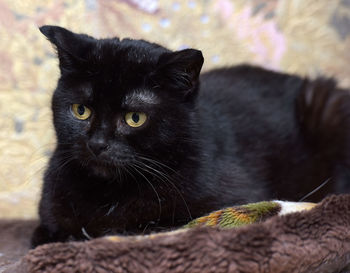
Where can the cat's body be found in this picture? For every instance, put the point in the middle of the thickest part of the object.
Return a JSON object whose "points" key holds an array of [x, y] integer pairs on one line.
{"points": [[248, 135]]}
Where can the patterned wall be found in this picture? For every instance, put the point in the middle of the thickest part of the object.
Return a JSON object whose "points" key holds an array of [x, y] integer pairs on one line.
{"points": [[307, 37]]}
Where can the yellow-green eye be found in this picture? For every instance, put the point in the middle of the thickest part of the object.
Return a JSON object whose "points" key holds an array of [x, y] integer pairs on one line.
{"points": [[135, 119], [80, 111]]}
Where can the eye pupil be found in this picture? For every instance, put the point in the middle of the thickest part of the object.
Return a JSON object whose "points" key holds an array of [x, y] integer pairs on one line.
{"points": [[81, 109], [135, 117]]}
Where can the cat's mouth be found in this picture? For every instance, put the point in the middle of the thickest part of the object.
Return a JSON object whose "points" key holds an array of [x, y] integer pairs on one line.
{"points": [[108, 168], [110, 163]]}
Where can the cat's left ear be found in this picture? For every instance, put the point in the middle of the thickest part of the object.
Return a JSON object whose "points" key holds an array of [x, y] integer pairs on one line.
{"points": [[180, 70], [72, 49]]}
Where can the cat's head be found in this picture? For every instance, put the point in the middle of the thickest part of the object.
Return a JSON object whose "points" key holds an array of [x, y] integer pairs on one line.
{"points": [[119, 101]]}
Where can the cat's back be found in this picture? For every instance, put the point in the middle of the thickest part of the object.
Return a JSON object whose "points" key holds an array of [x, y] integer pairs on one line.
{"points": [[278, 128], [242, 87], [249, 104], [246, 117]]}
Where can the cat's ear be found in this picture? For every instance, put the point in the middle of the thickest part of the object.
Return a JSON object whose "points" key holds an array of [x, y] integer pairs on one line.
{"points": [[72, 49], [180, 70]]}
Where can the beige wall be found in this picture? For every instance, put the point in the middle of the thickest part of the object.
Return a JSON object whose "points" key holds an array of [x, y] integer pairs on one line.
{"points": [[308, 37]]}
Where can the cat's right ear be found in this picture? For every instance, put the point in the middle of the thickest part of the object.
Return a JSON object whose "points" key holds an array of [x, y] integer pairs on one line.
{"points": [[180, 70], [72, 49]]}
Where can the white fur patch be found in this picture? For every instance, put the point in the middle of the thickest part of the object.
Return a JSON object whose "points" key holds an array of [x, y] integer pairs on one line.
{"points": [[141, 97], [290, 207]]}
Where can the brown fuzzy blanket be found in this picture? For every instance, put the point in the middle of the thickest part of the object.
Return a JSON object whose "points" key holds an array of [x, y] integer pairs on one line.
{"points": [[317, 240]]}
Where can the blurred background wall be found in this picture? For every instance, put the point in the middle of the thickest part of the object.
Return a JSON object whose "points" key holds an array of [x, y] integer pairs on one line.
{"points": [[308, 37]]}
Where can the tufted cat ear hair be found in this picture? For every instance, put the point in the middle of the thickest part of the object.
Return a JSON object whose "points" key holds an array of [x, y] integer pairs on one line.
{"points": [[180, 69], [72, 49]]}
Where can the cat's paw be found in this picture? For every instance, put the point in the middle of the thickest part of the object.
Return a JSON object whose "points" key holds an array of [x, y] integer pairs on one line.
{"points": [[42, 235]]}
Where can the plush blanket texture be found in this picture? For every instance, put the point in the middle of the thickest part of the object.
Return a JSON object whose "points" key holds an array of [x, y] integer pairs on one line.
{"points": [[315, 239]]}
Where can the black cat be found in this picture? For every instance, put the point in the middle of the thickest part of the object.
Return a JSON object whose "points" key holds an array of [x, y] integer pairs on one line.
{"points": [[144, 143]]}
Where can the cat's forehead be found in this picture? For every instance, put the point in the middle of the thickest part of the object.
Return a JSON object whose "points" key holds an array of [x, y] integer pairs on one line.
{"points": [[117, 72], [137, 97], [125, 63]]}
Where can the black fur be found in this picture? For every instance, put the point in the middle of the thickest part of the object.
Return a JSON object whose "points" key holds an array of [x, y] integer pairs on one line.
{"points": [[245, 134]]}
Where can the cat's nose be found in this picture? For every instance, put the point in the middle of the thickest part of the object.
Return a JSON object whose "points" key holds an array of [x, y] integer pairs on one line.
{"points": [[97, 147]]}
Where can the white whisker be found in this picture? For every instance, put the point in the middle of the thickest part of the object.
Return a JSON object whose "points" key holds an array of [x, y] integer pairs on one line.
{"points": [[315, 190]]}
